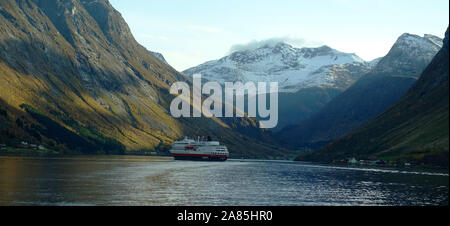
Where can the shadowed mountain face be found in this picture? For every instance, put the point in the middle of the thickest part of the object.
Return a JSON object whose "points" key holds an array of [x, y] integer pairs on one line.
{"points": [[375, 92], [308, 78], [414, 129], [75, 64]]}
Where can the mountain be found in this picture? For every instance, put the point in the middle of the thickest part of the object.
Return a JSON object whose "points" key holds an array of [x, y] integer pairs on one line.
{"points": [[374, 62], [409, 55], [308, 78], [416, 129], [75, 79], [292, 68], [294, 108], [375, 92], [159, 56]]}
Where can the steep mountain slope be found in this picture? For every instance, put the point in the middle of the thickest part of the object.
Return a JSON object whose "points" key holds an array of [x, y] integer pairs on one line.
{"points": [[308, 78], [415, 129], [372, 94], [72, 71], [296, 107]]}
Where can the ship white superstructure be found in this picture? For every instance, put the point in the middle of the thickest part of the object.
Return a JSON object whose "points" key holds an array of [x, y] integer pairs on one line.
{"points": [[200, 149]]}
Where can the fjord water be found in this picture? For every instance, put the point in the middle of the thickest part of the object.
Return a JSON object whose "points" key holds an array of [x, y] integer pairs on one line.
{"points": [[130, 180]]}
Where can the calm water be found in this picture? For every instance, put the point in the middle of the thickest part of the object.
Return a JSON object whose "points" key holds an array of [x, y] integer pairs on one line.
{"points": [[125, 180]]}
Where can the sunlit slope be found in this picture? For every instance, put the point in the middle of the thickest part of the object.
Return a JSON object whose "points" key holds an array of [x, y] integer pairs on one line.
{"points": [[75, 63]]}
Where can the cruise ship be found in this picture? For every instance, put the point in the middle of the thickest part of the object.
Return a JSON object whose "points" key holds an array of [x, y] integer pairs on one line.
{"points": [[200, 150]]}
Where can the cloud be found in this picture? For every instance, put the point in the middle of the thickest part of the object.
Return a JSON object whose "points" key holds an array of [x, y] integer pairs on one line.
{"points": [[255, 44], [206, 29]]}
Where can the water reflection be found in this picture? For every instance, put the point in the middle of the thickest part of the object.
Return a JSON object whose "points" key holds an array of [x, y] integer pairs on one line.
{"points": [[125, 180]]}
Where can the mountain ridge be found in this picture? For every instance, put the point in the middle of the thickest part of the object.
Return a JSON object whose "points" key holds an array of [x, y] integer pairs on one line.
{"points": [[73, 65], [294, 68], [373, 93], [313, 76], [415, 129]]}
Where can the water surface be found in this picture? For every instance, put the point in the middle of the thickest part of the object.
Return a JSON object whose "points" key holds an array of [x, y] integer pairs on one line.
{"points": [[130, 180]]}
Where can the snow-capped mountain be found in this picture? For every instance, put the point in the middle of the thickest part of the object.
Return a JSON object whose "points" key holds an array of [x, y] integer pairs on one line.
{"points": [[410, 54], [371, 95], [293, 68]]}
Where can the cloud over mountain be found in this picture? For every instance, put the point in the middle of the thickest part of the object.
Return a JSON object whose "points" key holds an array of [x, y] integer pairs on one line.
{"points": [[272, 42]]}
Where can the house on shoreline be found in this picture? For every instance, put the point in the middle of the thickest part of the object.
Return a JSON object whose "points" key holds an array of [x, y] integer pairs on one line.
{"points": [[26, 145]]}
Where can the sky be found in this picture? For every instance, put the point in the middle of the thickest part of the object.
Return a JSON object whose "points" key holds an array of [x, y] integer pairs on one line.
{"points": [[191, 32]]}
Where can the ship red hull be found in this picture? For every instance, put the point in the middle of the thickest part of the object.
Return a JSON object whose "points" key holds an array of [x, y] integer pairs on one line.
{"points": [[200, 157]]}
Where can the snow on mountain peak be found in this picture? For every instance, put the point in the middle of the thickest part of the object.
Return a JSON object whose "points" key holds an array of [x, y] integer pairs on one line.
{"points": [[409, 53], [426, 43], [293, 68]]}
